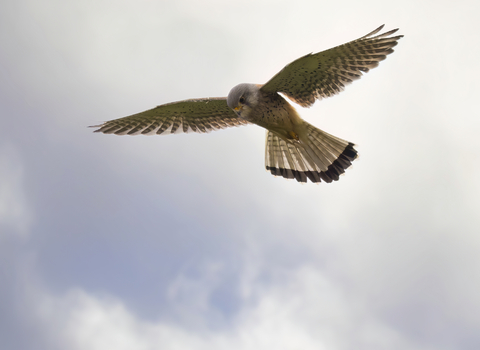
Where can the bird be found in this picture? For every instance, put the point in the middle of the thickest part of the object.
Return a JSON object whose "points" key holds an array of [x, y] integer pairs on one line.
{"points": [[294, 149]]}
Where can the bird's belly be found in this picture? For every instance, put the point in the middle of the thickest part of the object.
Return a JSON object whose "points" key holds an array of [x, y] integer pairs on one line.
{"points": [[281, 120]]}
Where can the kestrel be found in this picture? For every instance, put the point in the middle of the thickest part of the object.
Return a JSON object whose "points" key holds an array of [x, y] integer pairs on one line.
{"points": [[294, 149]]}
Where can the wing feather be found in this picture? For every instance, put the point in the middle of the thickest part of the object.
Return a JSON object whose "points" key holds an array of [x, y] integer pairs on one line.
{"points": [[197, 115], [324, 74]]}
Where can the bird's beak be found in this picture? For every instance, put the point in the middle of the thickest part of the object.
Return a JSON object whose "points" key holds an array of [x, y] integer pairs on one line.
{"points": [[238, 108]]}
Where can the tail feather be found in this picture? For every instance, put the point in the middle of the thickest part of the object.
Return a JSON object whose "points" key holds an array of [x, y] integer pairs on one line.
{"points": [[316, 156]]}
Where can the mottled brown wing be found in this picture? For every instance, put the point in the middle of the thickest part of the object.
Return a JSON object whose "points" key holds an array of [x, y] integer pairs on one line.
{"points": [[320, 75], [197, 115]]}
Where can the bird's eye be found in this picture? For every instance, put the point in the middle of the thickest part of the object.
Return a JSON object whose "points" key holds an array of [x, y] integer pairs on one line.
{"points": [[242, 99]]}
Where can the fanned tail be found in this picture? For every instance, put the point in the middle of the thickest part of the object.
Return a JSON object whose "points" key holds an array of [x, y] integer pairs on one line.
{"points": [[316, 156]]}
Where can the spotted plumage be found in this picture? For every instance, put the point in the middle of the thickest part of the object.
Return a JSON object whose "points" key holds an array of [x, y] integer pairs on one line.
{"points": [[295, 149]]}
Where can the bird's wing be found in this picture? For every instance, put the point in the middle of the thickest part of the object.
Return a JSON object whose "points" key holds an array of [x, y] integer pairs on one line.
{"points": [[320, 75], [197, 115]]}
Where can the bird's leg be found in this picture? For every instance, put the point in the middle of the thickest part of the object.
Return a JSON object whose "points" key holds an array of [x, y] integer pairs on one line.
{"points": [[293, 135]]}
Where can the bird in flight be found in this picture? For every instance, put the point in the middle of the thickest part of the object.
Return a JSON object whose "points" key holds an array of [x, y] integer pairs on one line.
{"points": [[294, 148]]}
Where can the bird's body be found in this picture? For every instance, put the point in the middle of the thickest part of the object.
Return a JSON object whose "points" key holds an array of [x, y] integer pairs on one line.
{"points": [[294, 148], [268, 110]]}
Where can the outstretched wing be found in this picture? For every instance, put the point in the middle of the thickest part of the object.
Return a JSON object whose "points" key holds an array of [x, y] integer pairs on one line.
{"points": [[197, 115], [326, 73]]}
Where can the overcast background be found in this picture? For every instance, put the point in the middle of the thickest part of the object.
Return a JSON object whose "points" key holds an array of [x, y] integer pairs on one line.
{"points": [[186, 242]]}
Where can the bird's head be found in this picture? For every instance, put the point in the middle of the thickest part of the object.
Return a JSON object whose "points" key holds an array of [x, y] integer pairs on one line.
{"points": [[243, 98]]}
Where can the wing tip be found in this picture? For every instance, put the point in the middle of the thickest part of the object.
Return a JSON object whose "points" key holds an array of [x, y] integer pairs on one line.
{"points": [[382, 35], [99, 126]]}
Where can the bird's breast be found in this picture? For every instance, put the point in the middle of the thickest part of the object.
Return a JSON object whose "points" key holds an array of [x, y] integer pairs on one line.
{"points": [[274, 113]]}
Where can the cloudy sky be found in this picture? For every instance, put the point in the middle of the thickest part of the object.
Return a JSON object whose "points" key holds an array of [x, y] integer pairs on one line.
{"points": [[186, 242]]}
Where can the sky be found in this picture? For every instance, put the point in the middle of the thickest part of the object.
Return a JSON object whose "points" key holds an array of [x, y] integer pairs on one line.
{"points": [[186, 241]]}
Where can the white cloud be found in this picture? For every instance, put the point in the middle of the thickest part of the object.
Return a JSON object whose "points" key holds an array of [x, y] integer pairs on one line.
{"points": [[300, 309]]}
